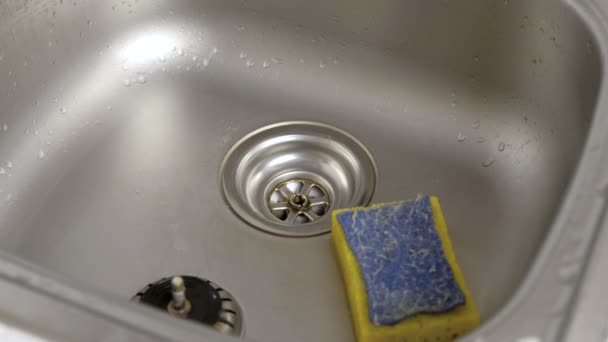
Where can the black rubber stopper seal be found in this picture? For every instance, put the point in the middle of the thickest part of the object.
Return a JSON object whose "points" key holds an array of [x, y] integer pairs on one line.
{"points": [[205, 300]]}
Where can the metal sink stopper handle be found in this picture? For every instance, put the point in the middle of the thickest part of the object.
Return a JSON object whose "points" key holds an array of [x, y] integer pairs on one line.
{"points": [[179, 306]]}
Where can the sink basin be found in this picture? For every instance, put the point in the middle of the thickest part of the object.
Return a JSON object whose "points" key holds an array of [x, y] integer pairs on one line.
{"points": [[116, 118]]}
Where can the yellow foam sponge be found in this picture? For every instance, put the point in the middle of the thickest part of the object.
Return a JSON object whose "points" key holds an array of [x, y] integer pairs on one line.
{"points": [[423, 327]]}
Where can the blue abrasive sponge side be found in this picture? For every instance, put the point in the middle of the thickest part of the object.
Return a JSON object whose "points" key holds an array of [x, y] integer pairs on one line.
{"points": [[402, 261]]}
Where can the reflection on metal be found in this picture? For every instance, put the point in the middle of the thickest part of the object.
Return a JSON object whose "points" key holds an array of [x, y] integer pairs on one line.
{"points": [[149, 46]]}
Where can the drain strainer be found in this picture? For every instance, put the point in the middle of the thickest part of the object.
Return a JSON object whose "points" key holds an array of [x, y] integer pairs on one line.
{"points": [[298, 201], [286, 178], [195, 299]]}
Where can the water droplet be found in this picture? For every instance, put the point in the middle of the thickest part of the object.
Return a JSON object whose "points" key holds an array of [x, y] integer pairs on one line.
{"points": [[276, 60], [63, 110], [2, 171], [453, 104], [180, 52], [489, 161], [141, 79], [109, 108], [461, 137], [5, 127], [476, 124], [125, 67], [9, 165], [8, 197], [194, 58], [205, 62], [162, 59], [501, 146], [127, 83], [481, 139], [265, 65], [215, 51], [243, 55], [241, 28], [249, 63], [41, 154], [476, 59], [322, 65]]}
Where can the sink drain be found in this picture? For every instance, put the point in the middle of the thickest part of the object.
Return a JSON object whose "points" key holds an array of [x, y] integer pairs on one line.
{"points": [[298, 201], [195, 299], [287, 177]]}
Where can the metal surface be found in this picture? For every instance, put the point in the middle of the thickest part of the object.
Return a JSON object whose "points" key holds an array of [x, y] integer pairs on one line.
{"points": [[264, 171], [116, 117]]}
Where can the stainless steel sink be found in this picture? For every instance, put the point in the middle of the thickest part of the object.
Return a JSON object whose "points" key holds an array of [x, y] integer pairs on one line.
{"points": [[116, 117]]}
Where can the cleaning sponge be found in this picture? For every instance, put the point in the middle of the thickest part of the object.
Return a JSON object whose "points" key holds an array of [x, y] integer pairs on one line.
{"points": [[400, 272]]}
